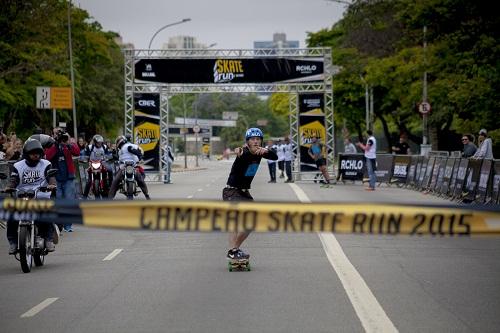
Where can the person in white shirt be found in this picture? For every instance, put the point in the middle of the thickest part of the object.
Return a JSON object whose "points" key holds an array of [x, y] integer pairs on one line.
{"points": [[371, 159], [288, 157], [128, 152], [485, 149], [281, 158]]}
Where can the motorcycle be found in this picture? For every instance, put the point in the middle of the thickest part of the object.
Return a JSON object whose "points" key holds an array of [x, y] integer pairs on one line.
{"points": [[30, 245], [98, 179], [128, 185]]}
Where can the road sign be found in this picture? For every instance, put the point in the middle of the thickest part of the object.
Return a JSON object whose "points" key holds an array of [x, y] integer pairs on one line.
{"points": [[60, 98], [424, 108], [43, 97], [196, 129], [205, 122], [229, 115], [53, 98]]}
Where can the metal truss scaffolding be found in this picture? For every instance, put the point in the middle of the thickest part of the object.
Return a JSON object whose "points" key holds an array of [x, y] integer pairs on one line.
{"points": [[293, 88]]}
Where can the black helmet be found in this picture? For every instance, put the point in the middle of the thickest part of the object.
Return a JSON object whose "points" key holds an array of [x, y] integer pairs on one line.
{"points": [[46, 140], [98, 139], [120, 141], [32, 146]]}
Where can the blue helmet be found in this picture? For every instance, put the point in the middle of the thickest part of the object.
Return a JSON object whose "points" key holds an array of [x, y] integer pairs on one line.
{"points": [[254, 131]]}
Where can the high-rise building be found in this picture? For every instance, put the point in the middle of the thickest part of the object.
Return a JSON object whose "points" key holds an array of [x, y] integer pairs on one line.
{"points": [[279, 42], [123, 45], [183, 42]]}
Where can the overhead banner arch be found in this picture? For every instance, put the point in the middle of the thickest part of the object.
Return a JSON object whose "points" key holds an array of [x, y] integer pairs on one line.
{"points": [[170, 72]]}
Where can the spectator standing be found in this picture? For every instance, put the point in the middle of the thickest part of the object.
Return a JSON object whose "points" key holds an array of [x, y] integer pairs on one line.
{"points": [[485, 147], [272, 163], [288, 158], [14, 151], [402, 147], [349, 147], [169, 160], [281, 158], [61, 156], [469, 147], [370, 158]]}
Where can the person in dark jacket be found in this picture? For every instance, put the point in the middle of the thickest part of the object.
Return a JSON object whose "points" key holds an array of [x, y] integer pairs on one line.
{"points": [[60, 154]]}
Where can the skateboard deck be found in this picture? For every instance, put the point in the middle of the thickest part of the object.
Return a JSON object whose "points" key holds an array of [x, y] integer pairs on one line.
{"points": [[238, 264]]}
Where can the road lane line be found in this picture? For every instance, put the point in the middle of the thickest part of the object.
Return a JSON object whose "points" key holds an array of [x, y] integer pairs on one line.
{"points": [[37, 308], [368, 309], [300, 193], [200, 190], [189, 196], [112, 254]]}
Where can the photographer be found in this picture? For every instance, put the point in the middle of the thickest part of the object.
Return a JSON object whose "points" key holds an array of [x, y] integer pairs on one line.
{"points": [[61, 156]]}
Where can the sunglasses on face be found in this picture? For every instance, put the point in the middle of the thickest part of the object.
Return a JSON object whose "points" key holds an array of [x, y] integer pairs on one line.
{"points": [[465, 139]]}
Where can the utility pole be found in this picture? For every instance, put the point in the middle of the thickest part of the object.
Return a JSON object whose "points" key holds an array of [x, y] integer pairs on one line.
{"points": [[425, 147], [185, 130], [72, 74]]}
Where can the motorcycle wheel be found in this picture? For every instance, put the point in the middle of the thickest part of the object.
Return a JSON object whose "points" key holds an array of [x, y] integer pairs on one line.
{"points": [[25, 247], [130, 191], [39, 259], [97, 192]]}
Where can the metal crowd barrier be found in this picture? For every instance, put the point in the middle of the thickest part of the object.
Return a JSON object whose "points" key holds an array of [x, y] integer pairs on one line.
{"points": [[461, 179]]}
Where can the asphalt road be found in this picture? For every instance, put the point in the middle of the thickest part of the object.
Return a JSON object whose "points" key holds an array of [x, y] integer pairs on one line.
{"points": [[178, 282]]}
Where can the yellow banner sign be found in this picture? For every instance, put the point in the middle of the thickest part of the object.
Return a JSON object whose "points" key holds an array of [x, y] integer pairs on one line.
{"points": [[60, 98]]}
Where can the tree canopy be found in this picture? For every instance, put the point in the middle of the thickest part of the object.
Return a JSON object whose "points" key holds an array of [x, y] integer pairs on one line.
{"points": [[380, 43], [34, 48]]}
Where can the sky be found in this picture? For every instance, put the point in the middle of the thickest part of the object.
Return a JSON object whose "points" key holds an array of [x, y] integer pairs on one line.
{"points": [[231, 24]]}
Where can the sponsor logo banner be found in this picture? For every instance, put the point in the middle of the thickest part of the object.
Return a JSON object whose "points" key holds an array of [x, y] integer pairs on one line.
{"points": [[351, 166], [218, 71], [311, 124], [147, 128]]}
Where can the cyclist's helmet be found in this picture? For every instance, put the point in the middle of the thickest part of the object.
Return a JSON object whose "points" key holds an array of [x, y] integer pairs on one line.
{"points": [[32, 146], [120, 141], [98, 139], [254, 131]]}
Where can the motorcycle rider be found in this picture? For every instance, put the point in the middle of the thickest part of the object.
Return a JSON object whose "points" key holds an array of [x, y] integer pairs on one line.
{"points": [[29, 174], [128, 151], [97, 151]]}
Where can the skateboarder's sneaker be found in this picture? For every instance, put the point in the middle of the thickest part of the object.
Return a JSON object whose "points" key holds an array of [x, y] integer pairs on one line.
{"points": [[237, 254]]}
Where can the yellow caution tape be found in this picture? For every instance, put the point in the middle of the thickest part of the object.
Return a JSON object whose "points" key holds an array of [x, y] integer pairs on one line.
{"points": [[221, 216]]}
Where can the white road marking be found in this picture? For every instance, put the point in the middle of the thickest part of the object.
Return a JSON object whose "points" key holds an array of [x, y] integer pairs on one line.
{"points": [[368, 309], [34, 310], [300, 193], [112, 254], [207, 185], [189, 196], [200, 190]]}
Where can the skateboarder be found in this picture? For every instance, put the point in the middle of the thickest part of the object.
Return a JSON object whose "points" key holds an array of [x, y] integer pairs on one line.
{"points": [[240, 178], [316, 153]]}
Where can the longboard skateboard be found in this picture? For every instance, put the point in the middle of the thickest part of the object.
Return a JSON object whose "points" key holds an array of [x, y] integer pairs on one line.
{"points": [[238, 264]]}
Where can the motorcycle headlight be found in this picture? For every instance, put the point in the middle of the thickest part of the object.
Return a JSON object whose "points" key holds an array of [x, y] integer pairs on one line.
{"points": [[129, 169], [96, 165]]}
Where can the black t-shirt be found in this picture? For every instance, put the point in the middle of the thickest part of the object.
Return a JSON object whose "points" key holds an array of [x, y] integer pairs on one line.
{"points": [[245, 167], [403, 148]]}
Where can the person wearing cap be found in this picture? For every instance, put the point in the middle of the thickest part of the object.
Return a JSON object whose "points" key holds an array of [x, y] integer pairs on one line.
{"points": [[469, 146], [486, 147]]}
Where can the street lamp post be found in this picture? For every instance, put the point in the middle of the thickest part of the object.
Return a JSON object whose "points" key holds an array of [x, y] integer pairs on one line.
{"points": [[75, 131], [166, 26]]}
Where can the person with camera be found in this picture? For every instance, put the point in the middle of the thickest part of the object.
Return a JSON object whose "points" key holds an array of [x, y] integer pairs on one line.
{"points": [[61, 155]]}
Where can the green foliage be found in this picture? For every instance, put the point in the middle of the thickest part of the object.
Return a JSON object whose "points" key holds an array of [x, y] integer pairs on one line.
{"points": [[380, 42], [34, 48]]}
